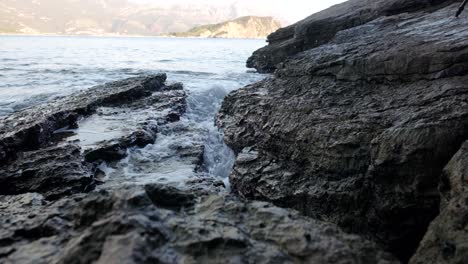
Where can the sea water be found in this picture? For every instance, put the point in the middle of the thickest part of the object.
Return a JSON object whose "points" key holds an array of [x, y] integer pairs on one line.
{"points": [[35, 69]]}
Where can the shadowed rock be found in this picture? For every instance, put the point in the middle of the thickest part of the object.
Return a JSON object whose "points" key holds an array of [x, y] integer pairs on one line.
{"points": [[59, 167], [357, 130], [53, 172], [447, 236], [33, 128], [53, 212], [127, 225]]}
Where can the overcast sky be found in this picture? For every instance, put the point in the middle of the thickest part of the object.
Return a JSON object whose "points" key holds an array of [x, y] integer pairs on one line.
{"points": [[292, 10]]}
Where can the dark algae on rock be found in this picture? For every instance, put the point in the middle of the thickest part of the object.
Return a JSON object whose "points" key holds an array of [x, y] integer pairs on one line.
{"points": [[57, 207], [362, 124]]}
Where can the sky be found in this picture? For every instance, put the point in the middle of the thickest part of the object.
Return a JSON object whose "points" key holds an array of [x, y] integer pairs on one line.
{"points": [[291, 10]]}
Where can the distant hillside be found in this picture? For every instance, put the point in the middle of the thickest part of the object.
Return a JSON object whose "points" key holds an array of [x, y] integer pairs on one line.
{"points": [[106, 17], [243, 27]]}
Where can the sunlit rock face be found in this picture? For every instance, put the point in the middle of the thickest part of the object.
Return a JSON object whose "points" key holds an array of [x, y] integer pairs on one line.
{"points": [[357, 126], [251, 27]]}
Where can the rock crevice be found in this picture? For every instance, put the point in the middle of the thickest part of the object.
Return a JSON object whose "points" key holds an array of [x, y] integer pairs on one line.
{"points": [[56, 206]]}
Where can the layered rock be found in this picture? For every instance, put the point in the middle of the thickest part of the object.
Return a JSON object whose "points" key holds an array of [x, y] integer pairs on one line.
{"points": [[53, 172], [357, 129], [321, 28], [447, 236], [55, 206], [165, 225], [45, 151], [34, 127]]}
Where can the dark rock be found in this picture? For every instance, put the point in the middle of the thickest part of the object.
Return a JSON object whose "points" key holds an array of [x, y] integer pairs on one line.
{"points": [[175, 86], [33, 128], [32, 228], [51, 210], [53, 172], [116, 149], [320, 28], [169, 197], [158, 109], [447, 236], [357, 130], [216, 229], [128, 226], [124, 237]]}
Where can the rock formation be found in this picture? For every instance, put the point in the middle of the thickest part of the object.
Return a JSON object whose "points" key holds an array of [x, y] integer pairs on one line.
{"points": [[244, 27], [367, 106], [445, 241], [320, 28], [56, 206]]}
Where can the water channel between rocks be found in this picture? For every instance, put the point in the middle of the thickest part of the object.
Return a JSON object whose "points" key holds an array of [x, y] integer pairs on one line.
{"points": [[209, 70]]}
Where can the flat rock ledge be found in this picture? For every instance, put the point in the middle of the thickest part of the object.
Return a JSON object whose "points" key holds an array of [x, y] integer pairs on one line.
{"points": [[357, 129], [53, 208]]}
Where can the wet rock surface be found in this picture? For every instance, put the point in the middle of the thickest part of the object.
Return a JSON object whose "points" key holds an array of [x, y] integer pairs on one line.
{"points": [[59, 203], [33, 128], [357, 129], [320, 28]]}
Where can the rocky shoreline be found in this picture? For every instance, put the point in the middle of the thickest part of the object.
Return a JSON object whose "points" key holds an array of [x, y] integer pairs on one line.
{"points": [[58, 206], [354, 151], [364, 124]]}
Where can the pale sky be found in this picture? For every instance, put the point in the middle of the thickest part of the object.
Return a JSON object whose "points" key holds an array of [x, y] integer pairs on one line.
{"points": [[292, 10]]}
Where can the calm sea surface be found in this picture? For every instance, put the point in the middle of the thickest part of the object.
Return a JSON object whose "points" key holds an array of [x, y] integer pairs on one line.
{"points": [[34, 70]]}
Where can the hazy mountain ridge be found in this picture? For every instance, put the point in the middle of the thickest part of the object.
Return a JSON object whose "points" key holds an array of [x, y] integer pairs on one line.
{"points": [[243, 27], [109, 17]]}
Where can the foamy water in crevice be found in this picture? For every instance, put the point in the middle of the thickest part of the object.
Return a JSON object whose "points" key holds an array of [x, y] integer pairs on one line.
{"points": [[34, 70]]}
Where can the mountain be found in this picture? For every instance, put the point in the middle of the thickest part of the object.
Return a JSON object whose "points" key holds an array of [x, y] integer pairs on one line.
{"points": [[112, 17], [243, 27]]}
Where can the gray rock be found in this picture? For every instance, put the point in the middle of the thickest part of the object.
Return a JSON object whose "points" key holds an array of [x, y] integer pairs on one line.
{"points": [[58, 169], [34, 127], [447, 238], [148, 114], [127, 227], [357, 131], [320, 28], [51, 210], [53, 172], [32, 228]]}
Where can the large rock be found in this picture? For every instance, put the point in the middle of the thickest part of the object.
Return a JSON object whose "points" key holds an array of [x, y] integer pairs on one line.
{"points": [[321, 28], [167, 225], [134, 125], [36, 157], [357, 131], [53, 172], [34, 127], [447, 238], [52, 209]]}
